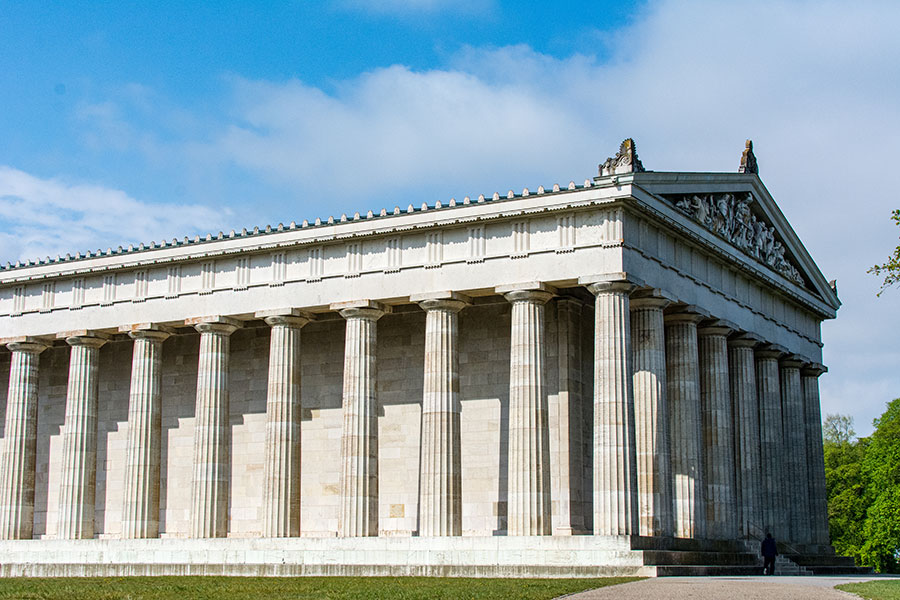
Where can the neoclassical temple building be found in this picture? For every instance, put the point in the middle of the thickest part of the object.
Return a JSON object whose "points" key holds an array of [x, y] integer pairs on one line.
{"points": [[614, 376]]}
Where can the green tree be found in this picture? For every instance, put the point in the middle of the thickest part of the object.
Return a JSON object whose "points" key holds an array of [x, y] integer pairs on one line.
{"points": [[881, 469], [838, 429], [846, 485], [891, 268]]}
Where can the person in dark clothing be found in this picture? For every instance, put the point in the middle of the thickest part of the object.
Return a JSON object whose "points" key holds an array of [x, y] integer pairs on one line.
{"points": [[769, 551]]}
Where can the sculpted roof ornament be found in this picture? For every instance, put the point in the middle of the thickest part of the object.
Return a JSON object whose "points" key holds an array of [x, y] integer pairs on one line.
{"points": [[729, 216], [625, 161], [748, 160]]}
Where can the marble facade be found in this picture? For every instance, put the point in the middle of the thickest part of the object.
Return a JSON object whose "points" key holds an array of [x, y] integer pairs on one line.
{"points": [[634, 356]]}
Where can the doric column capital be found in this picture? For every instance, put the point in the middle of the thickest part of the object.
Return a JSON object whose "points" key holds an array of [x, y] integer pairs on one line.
{"points": [[451, 301], [813, 370], [686, 314], [744, 340], [643, 298], [610, 282], [369, 310], [215, 324], [791, 361], [84, 337], [148, 331], [532, 291], [715, 327], [287, 317], [771, 351], [27, 344]]}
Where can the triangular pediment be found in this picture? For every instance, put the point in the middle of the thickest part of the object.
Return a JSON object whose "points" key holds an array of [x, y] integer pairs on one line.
{"points": [[738, 209]]}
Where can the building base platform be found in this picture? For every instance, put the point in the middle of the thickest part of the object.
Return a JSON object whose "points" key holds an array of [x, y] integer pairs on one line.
{"points": [[499, 556]]}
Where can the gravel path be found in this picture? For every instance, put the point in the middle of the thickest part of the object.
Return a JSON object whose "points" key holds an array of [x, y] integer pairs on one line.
{"points": [[719, 588]]}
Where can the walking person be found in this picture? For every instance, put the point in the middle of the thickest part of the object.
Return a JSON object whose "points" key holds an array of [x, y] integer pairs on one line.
{"points": [[769, 551]]}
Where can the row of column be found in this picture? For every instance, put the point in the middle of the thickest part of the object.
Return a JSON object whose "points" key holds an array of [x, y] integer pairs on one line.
{"points": [[665, 459], [728, 430]]}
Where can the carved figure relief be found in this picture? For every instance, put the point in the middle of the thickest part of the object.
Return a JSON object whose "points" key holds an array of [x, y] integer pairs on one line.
{"points": [[730, 217]]}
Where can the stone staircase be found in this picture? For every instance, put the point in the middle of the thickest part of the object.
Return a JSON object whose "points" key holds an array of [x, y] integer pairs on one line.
{"points": [[678, 557]]}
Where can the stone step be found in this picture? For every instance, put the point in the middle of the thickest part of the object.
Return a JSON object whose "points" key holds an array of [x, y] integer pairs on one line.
{"points": [[812, 560], [707, 570], [690, 545], [785, 566], [670, 557]]}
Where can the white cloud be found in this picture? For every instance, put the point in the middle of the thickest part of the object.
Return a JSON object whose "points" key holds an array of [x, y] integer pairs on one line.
{"points": [[48, 216]]}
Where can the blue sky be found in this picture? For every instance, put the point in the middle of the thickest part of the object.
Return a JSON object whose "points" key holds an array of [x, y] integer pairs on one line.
{"points": [[125, 122]]}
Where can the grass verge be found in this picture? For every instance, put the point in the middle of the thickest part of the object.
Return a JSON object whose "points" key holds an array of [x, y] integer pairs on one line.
{"points": [[296, 588], [874, 590]]}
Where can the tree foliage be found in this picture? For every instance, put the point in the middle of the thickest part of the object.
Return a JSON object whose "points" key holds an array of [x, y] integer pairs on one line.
{"points": [[881, 468], [891, 268], [838, 429], [863, 482], [847, 502]]}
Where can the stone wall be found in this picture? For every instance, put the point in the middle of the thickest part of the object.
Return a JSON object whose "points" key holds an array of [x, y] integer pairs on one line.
{"points": [[484, 389]]}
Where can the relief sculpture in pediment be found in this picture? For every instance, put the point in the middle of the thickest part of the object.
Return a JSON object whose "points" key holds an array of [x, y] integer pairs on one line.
{"points": [[730, 216]]}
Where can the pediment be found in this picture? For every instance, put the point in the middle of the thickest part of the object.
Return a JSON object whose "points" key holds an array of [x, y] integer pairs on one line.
{"points": [[738, 209], [733, 217]]}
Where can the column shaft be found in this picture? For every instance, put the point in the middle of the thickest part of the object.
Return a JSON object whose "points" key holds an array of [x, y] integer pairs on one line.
{"points": [[818, 498], [79, 454], [742, 371], [718, 437], [797, 473], [20, 442], [651, 415], [359, 440], [528, 510], [615, 459], [140, 514], [440, 482], [212, 465], [281, 477], [771, 448], [685, 424]]}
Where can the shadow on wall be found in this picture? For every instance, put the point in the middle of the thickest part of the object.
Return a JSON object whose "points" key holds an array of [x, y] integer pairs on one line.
{"points": [[179, 391], [53, 379], [112, 423], [484, 343]]}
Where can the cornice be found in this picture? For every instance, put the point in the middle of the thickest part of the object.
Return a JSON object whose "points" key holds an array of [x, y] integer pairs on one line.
{"points": [[306, 235]]}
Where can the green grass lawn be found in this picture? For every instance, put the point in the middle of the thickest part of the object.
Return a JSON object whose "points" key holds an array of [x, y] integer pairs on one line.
{"points": [[874, 590], [296, 588]]}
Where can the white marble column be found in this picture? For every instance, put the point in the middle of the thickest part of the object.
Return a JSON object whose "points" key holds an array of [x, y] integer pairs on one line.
{"points": [[718, 431], [79, 454], [140, 510], [771, 447], [745, 403], [281, 475], [615, 459], [440, 479], [685, 424], [797, 472], [528, 489], [20, 441], [818, 498], [212, 455], [651, 414], [359, 439]]}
